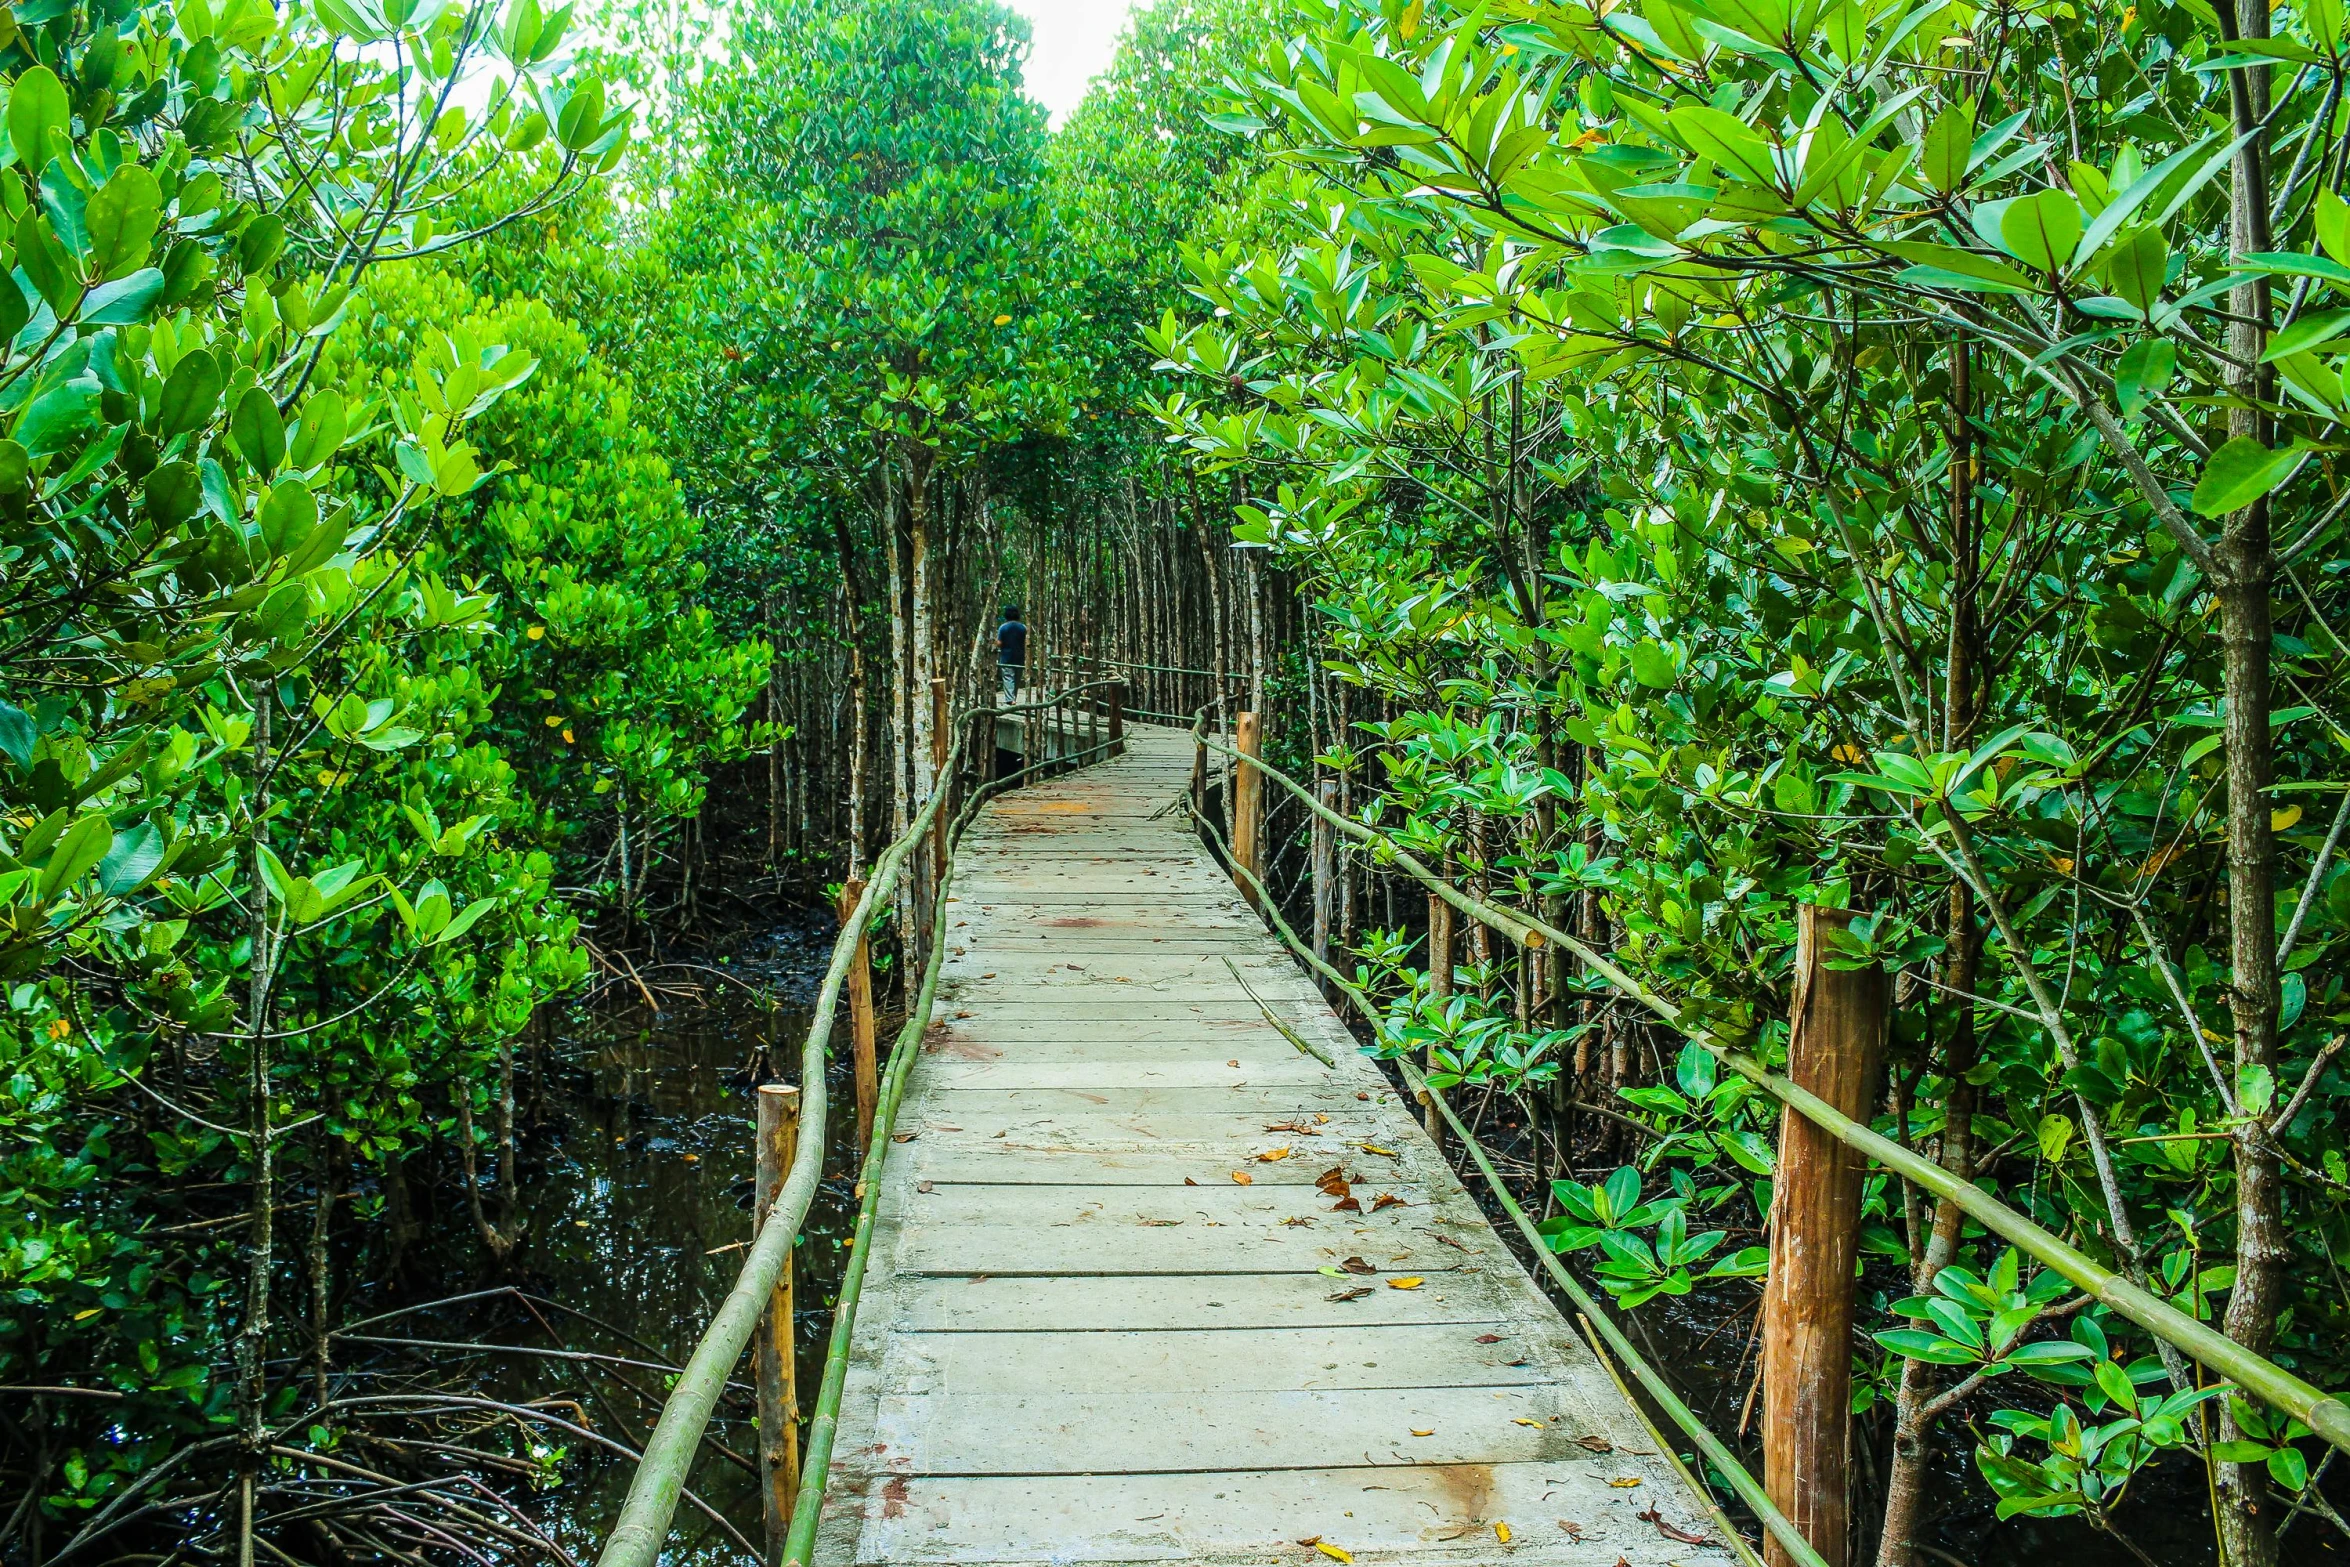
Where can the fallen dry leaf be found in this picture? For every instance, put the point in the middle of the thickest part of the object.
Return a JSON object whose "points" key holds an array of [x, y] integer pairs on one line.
{"points": [[1272, 1154], [1188, 1181], [1232, 1063], [1320, 1119], [1353, 1294], [1670, 1532], [1488, 1338], [1596, 1444], [1405, 1284], [1384, 1153], [1625, 1482], [1358, 1265], [1574, 1530], [925, 1187], [1346, 1205], [1536, 1424], [1243, 1178], [1337, 1553], [1387, 1200], [1160, 1224], [1501, 1531], [987, 976], [1416, 1431], [962, 1014], [1362, 1096]]}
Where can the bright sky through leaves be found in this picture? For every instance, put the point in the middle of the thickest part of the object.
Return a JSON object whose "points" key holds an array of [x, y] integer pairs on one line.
{"points": [[1074, 42]]}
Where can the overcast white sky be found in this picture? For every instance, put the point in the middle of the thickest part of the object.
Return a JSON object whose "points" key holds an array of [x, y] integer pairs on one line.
{"points": [[1074, 40]]}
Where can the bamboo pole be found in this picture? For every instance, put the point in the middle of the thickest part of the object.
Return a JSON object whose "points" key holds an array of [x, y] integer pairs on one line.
{"points": [[1248, 805], [1325, 857], [779, 1401], [861, 1023], [1838, 1029]]}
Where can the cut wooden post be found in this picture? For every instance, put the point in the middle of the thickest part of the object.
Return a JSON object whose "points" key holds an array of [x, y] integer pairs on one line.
{"points": [[1248, 796], [779, 1403], [1440, 960], [1838, 1031], [1199, 775], [861, 1021], [1118, 719], [1325, 868]]}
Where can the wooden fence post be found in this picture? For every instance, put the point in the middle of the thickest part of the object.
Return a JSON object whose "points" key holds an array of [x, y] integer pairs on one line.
{"points": [[1199, 775], [779, 1403], [1838, 1030], [1118, 719], [861, 1022], [1325, 867], [1248, 797], [1440, 961]]}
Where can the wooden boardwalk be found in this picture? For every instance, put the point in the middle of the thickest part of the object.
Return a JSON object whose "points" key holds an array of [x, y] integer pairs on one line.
{"points": [[1113, 1317]]}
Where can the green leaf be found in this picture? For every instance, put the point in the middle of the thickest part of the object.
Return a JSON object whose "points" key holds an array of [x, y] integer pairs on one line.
{"points": [[2333, 225], [83, 845], [2041, 230], [2143, 374], [1947, 266], [1652, 665], [192, 393], [123, 214], [2288, 1468], [1933, 1348], [38, 114], [258, 430], [17, 734], [126, 301], [133, 858], [2138, 265], [2240, 473], [58, 417], [1942, 157], [46, 263], [288, 513], [2310, 332], [1728, 142]]}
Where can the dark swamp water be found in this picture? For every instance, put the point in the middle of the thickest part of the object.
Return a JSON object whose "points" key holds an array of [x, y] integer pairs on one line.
{"points": [[637, 1184]]}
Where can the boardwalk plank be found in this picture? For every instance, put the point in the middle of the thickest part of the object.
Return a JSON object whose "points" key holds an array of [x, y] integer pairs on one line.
{"points": [[1083, 1341]]}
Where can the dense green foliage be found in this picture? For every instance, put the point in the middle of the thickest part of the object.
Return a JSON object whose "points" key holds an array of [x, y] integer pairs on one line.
{"points": [[1825, 454], [1737, 455]]}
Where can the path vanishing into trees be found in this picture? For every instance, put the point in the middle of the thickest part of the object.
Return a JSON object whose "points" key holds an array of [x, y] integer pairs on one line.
{"points": [[1164, 1270]]}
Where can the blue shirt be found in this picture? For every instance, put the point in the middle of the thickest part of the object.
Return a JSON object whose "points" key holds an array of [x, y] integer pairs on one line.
{"points": [[1011, 643]]}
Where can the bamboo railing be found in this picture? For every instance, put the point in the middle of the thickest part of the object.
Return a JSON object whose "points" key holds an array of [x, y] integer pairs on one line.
{"points": [[668, 1455], [2326, 1415]]}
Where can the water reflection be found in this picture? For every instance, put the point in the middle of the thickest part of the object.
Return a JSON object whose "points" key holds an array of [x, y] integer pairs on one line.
{"points": [[637, 1183]]}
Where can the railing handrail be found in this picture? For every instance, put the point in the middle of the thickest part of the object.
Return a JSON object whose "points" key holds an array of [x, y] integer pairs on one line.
{"points": [[1750, 1490], [2326, 1415], [668, 1453]]}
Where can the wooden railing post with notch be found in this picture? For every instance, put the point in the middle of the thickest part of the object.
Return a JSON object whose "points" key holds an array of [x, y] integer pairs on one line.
{"points": [[1118, 719], [863, 1030], [1837, 1032], [779, 1404], [1248, 803], [1199, 775]]}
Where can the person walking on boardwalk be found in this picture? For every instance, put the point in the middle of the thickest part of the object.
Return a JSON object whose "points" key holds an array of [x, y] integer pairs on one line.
{"points": [[1011, 649]]}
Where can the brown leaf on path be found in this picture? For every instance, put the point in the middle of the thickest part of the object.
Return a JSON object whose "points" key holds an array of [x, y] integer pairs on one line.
{"points": [[1160, 1224], [1573, 1529], [1405, 1284], [1416, 1431], [1595, 1444], [1384, 1153], [1488, 1338], [1387, 1200], [1188, 1181], [1243, 1178], [1353, 1294], [1624, 1482], [1232, 1063], [1358, 1265], [1346, 1205], [1670, 1532], [1270, 1155], [925, 1187]]}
